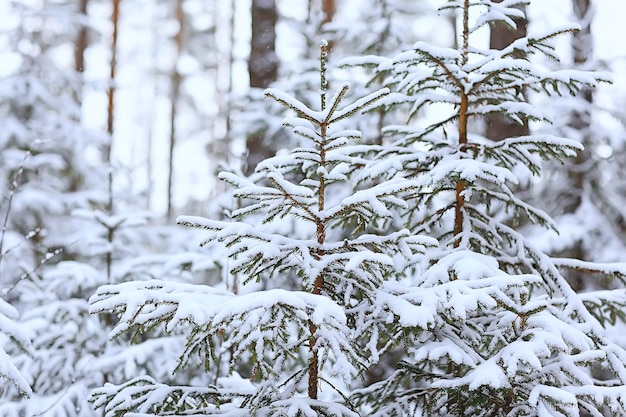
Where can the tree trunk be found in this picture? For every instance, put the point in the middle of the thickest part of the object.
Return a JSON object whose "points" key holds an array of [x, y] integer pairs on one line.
{"points": [[82, 39], [582, 46], [328, 10], [262, 69], [110, 123], [226, 13], [498, 126], [459, 205], [112, 70], [176, 80]]}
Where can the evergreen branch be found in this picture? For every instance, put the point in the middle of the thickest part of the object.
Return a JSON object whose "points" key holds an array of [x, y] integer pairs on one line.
{"points": [[251, 321], [611, 270], [296, 105], [289, 196], [360, 105], [29, 273], [334, 103], [307, 407], [607, 306], [145, 395]]}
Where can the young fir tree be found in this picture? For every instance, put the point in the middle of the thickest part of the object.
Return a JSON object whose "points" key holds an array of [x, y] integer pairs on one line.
{"points": [[303, 347], [491, 327]]}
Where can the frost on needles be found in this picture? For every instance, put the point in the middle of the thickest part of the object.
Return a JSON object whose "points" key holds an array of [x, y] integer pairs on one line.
{"points": [[317, 327], [403, 258], [501, 332]]}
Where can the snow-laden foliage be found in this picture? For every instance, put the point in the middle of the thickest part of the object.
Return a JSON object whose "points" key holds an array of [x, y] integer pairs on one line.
{"points": [[289, 342], [501, 332], [11, 330], [583, 197], [61, 239], [72, 353], [340, 302]]}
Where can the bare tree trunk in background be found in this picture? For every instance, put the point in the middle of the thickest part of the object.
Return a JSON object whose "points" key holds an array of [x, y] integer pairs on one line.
{"points": [[154, 48], [111, 91], [82, 40], [176, 82], [498, 126], [262, 68], [582, 46], [225, 13], [81, 43], [110, 122], [329, 8]]}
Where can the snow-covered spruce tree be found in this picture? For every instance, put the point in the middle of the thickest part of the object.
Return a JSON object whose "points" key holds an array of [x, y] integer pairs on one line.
{"points": [[303, 347], [43, 149], [54, 201], [491, 327], [10, 330], [44, 175]]}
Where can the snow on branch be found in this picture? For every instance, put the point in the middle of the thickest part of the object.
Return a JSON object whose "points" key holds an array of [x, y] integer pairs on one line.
{"points": [[248, 322], [287, 100], [306, 407], [13, 331], [506, 11], [612, 269], [361, 105], [256, 252], [144, 395]]}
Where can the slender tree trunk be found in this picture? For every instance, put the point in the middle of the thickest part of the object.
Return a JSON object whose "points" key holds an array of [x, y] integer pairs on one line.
{"points": [[582, 45], [313, 386], [329, 8], [110, 123], [176, 80], [498, 126], [82, 39], [224, 69], [112, 72], [262, 68], [463, 122], [154, 47]]}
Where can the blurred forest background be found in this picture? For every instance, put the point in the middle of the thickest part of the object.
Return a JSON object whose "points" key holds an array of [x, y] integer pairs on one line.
{"points": [[176, 96], [115, 116]]}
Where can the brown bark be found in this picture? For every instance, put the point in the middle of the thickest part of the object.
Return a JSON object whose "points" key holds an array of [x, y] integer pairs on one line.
{"points": [[82, 39], [313, 386], [580, 120], [262, 69], [498, 126], [463, 121], [112, 71], [329, 9], [263, 63]]}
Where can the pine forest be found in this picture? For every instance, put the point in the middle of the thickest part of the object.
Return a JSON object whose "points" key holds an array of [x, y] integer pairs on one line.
{"points": [[290, 208]]}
